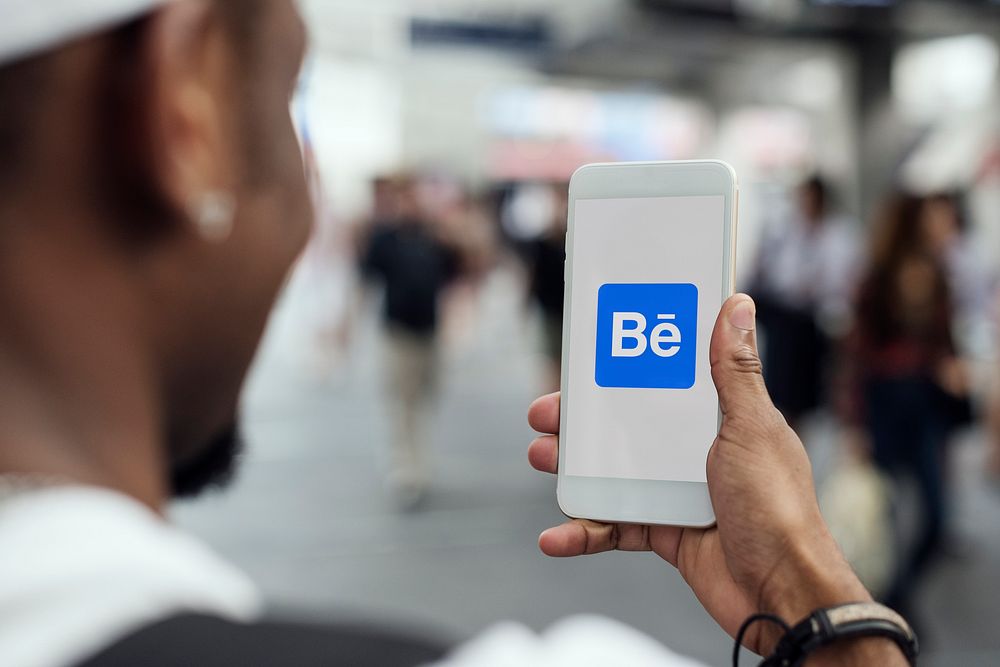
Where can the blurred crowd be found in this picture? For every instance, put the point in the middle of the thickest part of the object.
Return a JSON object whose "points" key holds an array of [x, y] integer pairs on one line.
{"points": [[871, 325], [880, 334], [426, 249]]}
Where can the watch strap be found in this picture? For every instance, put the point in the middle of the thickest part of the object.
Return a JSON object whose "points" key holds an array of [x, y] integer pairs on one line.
{"points": [[850, 621]]}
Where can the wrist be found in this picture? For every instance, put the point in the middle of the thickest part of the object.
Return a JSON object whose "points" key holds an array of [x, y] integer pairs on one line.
{"points": [[856, 633], [813, 575]]}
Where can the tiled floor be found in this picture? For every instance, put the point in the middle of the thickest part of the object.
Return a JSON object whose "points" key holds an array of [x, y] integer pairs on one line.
{"points": [[308, 518]]}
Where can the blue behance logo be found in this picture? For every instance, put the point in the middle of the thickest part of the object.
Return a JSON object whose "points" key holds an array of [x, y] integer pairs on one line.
{"points": [[647, 336]]}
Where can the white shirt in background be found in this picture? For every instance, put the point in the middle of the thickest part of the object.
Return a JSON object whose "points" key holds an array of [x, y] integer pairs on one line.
{"points": [[813, 266]]}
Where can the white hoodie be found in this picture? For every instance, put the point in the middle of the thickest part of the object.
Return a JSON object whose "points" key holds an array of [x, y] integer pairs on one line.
{"points": [[82, 568]]}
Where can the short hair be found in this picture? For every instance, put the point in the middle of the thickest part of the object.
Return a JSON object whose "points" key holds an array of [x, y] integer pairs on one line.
{"points": [[817, 186], [23, 86]]}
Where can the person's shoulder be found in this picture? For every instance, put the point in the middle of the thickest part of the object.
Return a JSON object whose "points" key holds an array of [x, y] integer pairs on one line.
{"points": [[579, 640], [209, 641]]}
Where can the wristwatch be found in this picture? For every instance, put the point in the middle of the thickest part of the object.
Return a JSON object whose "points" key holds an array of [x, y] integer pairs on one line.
{"points": [[849, 621]]}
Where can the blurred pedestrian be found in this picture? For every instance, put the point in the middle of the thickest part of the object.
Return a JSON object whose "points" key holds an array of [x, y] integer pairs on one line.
{"points": [[410, 258], [945, 233], [805, 272], [993, 412], [546, 261], [993, 434], [907, 374], [463, 220]]}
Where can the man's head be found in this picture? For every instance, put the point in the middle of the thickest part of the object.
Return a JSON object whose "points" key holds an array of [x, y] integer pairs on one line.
{"points": [[813, 199], [159, 159], [408, 205]]}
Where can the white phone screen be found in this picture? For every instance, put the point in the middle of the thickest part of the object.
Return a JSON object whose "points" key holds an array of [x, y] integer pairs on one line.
{"points": [[646, 288]]}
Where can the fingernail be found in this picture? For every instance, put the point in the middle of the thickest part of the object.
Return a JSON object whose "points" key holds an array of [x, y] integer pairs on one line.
{"points": [[743, 314]]}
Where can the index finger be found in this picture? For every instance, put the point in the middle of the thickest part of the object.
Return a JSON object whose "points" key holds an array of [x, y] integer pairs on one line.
{"points": [[543, 415]]}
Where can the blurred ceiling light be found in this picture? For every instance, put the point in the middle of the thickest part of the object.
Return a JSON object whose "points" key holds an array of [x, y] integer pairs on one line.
{"points": [[778, 11], [814, 83], [941, 76], [952, 154], [855, 3]]}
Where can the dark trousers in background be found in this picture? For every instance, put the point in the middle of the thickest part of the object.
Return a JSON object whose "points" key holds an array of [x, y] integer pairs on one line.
{"points": [[795, 357], [411, 367], [908, 432]]}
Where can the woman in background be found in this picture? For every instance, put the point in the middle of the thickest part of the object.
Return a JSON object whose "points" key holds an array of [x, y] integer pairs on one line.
{"points": [[993, 416], [907, 373]]}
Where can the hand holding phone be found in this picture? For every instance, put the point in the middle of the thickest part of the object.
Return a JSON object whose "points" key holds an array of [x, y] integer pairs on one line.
{"points": [[770, 550]]}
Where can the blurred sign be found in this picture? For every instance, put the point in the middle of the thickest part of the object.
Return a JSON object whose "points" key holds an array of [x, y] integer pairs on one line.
{"points": [[768, 139], [531, 34], [547, 131]]}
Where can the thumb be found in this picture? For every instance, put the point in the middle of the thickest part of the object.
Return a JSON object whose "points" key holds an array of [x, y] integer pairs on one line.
{"points": [[736, 367]]}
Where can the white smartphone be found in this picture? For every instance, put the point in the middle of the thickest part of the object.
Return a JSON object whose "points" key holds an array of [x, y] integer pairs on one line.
{"points": [[650, 254]]}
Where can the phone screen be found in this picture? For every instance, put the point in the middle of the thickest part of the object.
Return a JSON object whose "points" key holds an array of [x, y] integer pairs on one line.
{"points": [[646, 288]]}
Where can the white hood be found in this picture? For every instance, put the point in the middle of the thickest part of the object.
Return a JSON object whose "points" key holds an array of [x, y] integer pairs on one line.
{"points": [[28, 27]]}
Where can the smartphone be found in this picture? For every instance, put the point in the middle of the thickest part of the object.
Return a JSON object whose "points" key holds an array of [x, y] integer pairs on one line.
{"points": [[650, 254]]}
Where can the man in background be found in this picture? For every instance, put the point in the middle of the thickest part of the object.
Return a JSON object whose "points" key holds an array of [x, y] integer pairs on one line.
{"points": [[408, 255], [806, 270]]}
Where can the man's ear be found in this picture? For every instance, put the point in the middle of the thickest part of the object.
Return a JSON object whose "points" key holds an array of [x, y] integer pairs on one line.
{"points": [[190, 133]]}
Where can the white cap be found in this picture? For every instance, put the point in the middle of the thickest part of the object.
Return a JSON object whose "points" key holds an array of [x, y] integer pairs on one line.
{"points": [[28, 27]]}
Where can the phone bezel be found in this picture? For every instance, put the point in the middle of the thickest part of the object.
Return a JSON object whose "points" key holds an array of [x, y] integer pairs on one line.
{"points": [[639, 500]]}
